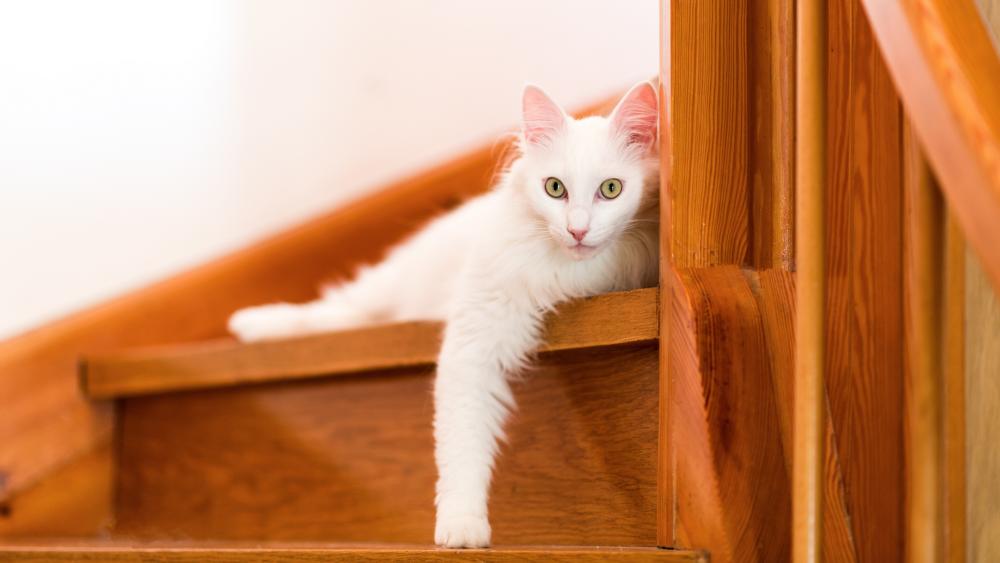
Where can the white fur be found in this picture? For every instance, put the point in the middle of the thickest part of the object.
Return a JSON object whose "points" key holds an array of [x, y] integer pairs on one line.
{"points": [[492, 269]]}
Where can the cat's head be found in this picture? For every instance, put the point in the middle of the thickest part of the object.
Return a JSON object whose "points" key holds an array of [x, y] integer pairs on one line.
{"points": [[586, 179]]}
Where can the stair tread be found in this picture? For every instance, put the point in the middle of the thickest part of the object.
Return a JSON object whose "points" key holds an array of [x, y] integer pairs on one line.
{"points": [[103, 550], [629, 317]]}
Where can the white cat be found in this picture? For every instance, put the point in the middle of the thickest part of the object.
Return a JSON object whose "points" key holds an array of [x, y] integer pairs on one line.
{"points": [[574, 215]]}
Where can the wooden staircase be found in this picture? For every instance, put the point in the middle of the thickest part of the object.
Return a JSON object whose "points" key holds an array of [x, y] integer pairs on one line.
{"points": [[328, 439]]}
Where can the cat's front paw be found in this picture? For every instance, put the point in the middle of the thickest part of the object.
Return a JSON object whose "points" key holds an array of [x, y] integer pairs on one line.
{"points": [[462, 531], [266, 322]]}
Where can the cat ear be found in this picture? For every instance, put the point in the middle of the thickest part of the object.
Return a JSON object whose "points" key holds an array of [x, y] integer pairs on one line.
{"points": [[635, 116], [542, 119]]}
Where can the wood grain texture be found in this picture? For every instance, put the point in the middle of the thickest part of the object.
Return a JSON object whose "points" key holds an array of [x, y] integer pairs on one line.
{"points": [[982, 396], [733, 492], [726, 134], [771, 54], [729, 140], [955, 413], [775, 294], [58, 424], [201, 552], [351, 458], [947, 68], [708, 189], [620, 318], [864, 266], [924, 316]]}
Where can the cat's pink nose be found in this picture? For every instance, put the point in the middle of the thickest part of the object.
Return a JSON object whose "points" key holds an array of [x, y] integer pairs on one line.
{"points": [[578, 234]]}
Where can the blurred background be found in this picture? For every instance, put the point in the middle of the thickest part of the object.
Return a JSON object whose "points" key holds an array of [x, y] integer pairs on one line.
{"points": [[138, 139]]}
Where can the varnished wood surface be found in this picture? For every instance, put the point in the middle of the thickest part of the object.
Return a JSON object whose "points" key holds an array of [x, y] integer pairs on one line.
{"points": [[923, 294], [775, 294], [732, 486], [726, 134], [947, 69], [809, 456], [212, 552], [955, 489], [864, 291], [730, 136], [45, 422], [351, 458], [74, 500], [708, 187], [771, 54], [982, 395], [606, 320]]}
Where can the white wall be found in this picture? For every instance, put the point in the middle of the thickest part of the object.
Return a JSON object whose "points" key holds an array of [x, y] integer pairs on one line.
{"points": [[141, 138]]}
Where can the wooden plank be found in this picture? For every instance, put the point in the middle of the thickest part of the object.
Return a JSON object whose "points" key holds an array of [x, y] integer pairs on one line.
{"points": [[771, 54], [350, 459], [946, 65], [726, 133], [619, 318], [810, 350], [775, 294], [731, 482], [982, 395], [708, 185], [954, 373], [45, 421], [864, 281], [217, 552], [923, 293]]}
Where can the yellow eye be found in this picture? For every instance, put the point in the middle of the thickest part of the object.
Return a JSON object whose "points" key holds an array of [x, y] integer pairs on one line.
{"points": [[611, 188], [555, 188]]}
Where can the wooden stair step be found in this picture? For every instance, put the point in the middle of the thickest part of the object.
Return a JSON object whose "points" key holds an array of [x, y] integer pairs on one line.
{"points": [[607, 320], [333, 441], [279, 553]]}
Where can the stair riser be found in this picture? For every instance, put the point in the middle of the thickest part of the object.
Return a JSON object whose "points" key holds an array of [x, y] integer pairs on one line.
{"points": [[351, 458]]}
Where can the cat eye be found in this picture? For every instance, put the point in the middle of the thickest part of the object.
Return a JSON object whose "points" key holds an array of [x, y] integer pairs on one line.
{"points": [[555, 188], [611, 188]]}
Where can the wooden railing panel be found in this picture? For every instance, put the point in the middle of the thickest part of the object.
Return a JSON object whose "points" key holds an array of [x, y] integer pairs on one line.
{"points": [[732, 486], [864, 268], [982, 363], [947, 68]]}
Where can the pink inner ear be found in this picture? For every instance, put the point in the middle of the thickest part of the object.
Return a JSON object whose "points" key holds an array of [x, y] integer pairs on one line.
{"points": [[542, 117], [636, 115]]}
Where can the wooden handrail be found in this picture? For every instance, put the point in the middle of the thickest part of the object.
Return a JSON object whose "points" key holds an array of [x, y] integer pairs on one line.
{"points": [[947, 71], [810, 356]]}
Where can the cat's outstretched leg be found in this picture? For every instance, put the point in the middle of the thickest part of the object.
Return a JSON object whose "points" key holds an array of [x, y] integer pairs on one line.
{"points": [[285, 320], [485, 341]]}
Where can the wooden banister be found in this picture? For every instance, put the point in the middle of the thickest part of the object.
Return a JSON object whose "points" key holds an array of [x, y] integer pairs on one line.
{"points": [[947, 71]]}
